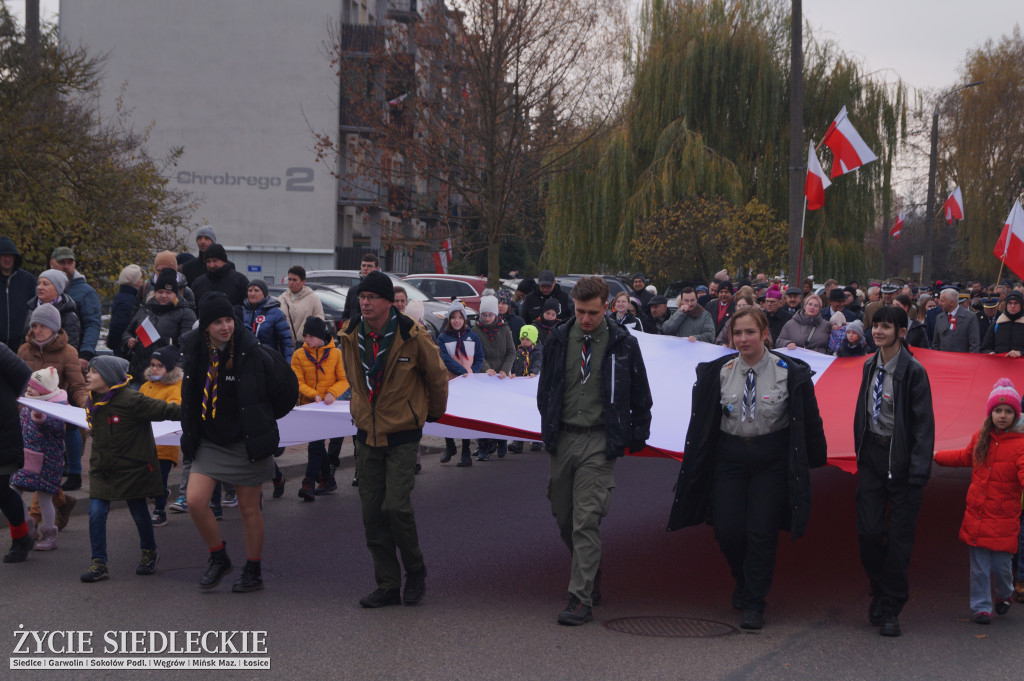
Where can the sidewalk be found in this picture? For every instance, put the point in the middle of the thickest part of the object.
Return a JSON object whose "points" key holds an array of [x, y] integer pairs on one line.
{"points": [[292, 463]]}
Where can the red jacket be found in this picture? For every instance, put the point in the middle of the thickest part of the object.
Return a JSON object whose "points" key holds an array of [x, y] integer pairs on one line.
{"points": [[992, 518]]}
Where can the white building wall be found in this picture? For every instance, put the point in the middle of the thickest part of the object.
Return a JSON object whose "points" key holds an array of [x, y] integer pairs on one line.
{"points": [[238, 84]]}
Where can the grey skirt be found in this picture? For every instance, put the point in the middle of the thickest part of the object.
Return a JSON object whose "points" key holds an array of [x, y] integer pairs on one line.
{"points": [[231, 464]]}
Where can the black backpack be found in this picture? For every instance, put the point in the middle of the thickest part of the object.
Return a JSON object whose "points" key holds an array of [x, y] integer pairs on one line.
{"points": [[282, 384]]}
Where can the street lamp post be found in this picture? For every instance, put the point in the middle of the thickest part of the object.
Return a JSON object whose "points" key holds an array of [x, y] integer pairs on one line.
{"points": [[930, 215]]}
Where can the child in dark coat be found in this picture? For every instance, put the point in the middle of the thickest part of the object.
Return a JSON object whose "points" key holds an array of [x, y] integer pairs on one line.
{"points": [[123, 464], [527, 363]]}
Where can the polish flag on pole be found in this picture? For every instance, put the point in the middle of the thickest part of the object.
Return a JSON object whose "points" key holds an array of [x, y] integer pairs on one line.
{"points": [[443, 257], [898, 227], [816, 182], [1010, 247], [147, 333], [849, 151], [954, 206]]}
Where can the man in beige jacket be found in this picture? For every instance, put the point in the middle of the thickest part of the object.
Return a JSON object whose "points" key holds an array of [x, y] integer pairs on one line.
{"points": [[299, 302]]}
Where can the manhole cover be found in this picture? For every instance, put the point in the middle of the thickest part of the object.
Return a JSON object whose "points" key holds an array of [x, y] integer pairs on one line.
{"points": [[192, 574], [669, 627]]}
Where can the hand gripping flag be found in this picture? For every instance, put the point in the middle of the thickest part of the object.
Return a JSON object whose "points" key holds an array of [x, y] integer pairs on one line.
{"points": [[1010, 247], [849, 151], [898, 227], [954, 206], [147, 332], [816, 182]]}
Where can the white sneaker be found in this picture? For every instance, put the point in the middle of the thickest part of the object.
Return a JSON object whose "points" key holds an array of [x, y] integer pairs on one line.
{"points": [[230, 500], [49, 540], [179, 505]]}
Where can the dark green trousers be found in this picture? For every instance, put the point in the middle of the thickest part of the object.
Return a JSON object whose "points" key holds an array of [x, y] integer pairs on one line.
{"points": [[386, 477]]}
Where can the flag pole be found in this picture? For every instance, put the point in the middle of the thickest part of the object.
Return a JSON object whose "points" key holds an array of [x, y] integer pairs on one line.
{"points": [[1002, 261], [800, 256]]}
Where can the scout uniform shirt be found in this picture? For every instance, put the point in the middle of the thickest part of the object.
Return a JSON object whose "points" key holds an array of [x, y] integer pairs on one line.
{"points": [[886, 415], [581, 402], [766, 409]]}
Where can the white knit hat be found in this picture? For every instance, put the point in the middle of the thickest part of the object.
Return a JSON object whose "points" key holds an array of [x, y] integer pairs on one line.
{"points": [[46, 382], [489, 304]]}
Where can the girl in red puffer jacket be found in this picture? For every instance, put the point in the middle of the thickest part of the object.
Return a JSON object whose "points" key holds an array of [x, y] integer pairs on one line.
{"points": [[992, 520]]}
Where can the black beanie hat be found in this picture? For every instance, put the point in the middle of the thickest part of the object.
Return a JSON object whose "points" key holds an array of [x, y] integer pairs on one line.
{"points": [[551, 304], [215, 251], [212, 306], [260, 284], [315, 326], [379, 283], [168, 355], [167, 280]]}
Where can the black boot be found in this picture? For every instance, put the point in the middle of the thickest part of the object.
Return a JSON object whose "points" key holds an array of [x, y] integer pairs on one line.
{"points": [[251, 579], [73, 482], [218, 566], [19, 550], [449, 450], [466, 459]]}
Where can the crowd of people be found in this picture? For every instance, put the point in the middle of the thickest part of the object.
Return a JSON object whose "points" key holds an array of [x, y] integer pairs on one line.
{"points": [[196, 341]]}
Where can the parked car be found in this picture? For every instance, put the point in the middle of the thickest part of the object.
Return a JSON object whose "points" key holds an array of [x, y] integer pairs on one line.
{"points": [[615, 285], [434, 311], [450, 286]]}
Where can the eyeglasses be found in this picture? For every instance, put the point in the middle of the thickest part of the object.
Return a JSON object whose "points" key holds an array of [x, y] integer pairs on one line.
{"points": [[363, 298]]}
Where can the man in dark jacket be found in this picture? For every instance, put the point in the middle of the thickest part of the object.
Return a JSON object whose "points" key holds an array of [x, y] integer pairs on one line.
{"points": [[221, 276], [640, 291], [721, 309], [194, 268], [88, 301], [774, 310], [18, 286], [533, 305], [591, 411], [894, 437]]}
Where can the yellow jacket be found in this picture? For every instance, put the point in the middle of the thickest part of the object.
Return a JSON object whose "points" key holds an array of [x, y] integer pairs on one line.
{"points": [[313, 382], [167, 389]]}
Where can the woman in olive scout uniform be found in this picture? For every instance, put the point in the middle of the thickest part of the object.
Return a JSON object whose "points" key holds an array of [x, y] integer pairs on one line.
{"points": [[754, 434]]}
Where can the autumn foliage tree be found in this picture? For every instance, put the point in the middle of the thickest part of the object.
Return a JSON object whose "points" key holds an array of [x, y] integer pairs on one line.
{"points": [[67, 177], [692, 238], [982, 150]]}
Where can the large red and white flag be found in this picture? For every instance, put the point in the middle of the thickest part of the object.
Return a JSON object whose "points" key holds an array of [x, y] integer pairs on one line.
{"points": [[816, 182], [898, 227], [1010, 247], [954, 206], [849, 151], [147, 332]]}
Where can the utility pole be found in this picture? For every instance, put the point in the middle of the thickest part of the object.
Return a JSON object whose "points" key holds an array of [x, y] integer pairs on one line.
{"points": [[931, 214], [797, 171]]}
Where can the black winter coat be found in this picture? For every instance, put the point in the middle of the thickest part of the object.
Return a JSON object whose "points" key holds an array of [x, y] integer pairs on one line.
{"points": [[625, 391], [533, 304], [69, 320], [913, 438], [234, 285], [807, 447], [1004, 335], [194, 268], [257, 416], [14, 375], [120, 316], [171, 322], [15, 291]]}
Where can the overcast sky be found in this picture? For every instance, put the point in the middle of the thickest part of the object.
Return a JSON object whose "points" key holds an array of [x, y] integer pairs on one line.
{"points": [[924, 42]]}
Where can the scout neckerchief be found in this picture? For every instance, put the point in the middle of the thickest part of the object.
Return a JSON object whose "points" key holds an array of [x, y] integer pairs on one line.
{"points": [[91, 407], [374, 351], [318, 364]]}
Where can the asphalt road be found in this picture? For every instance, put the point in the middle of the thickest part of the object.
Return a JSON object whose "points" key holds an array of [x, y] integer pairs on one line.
{"points": [[497, 579]]}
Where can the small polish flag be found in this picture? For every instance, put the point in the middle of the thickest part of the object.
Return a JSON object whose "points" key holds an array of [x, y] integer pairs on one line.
{"points": [[898, 227], [954, 206], [398, 100], [147, 332], [816, 183], [1010, 247], [849, 151]]}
